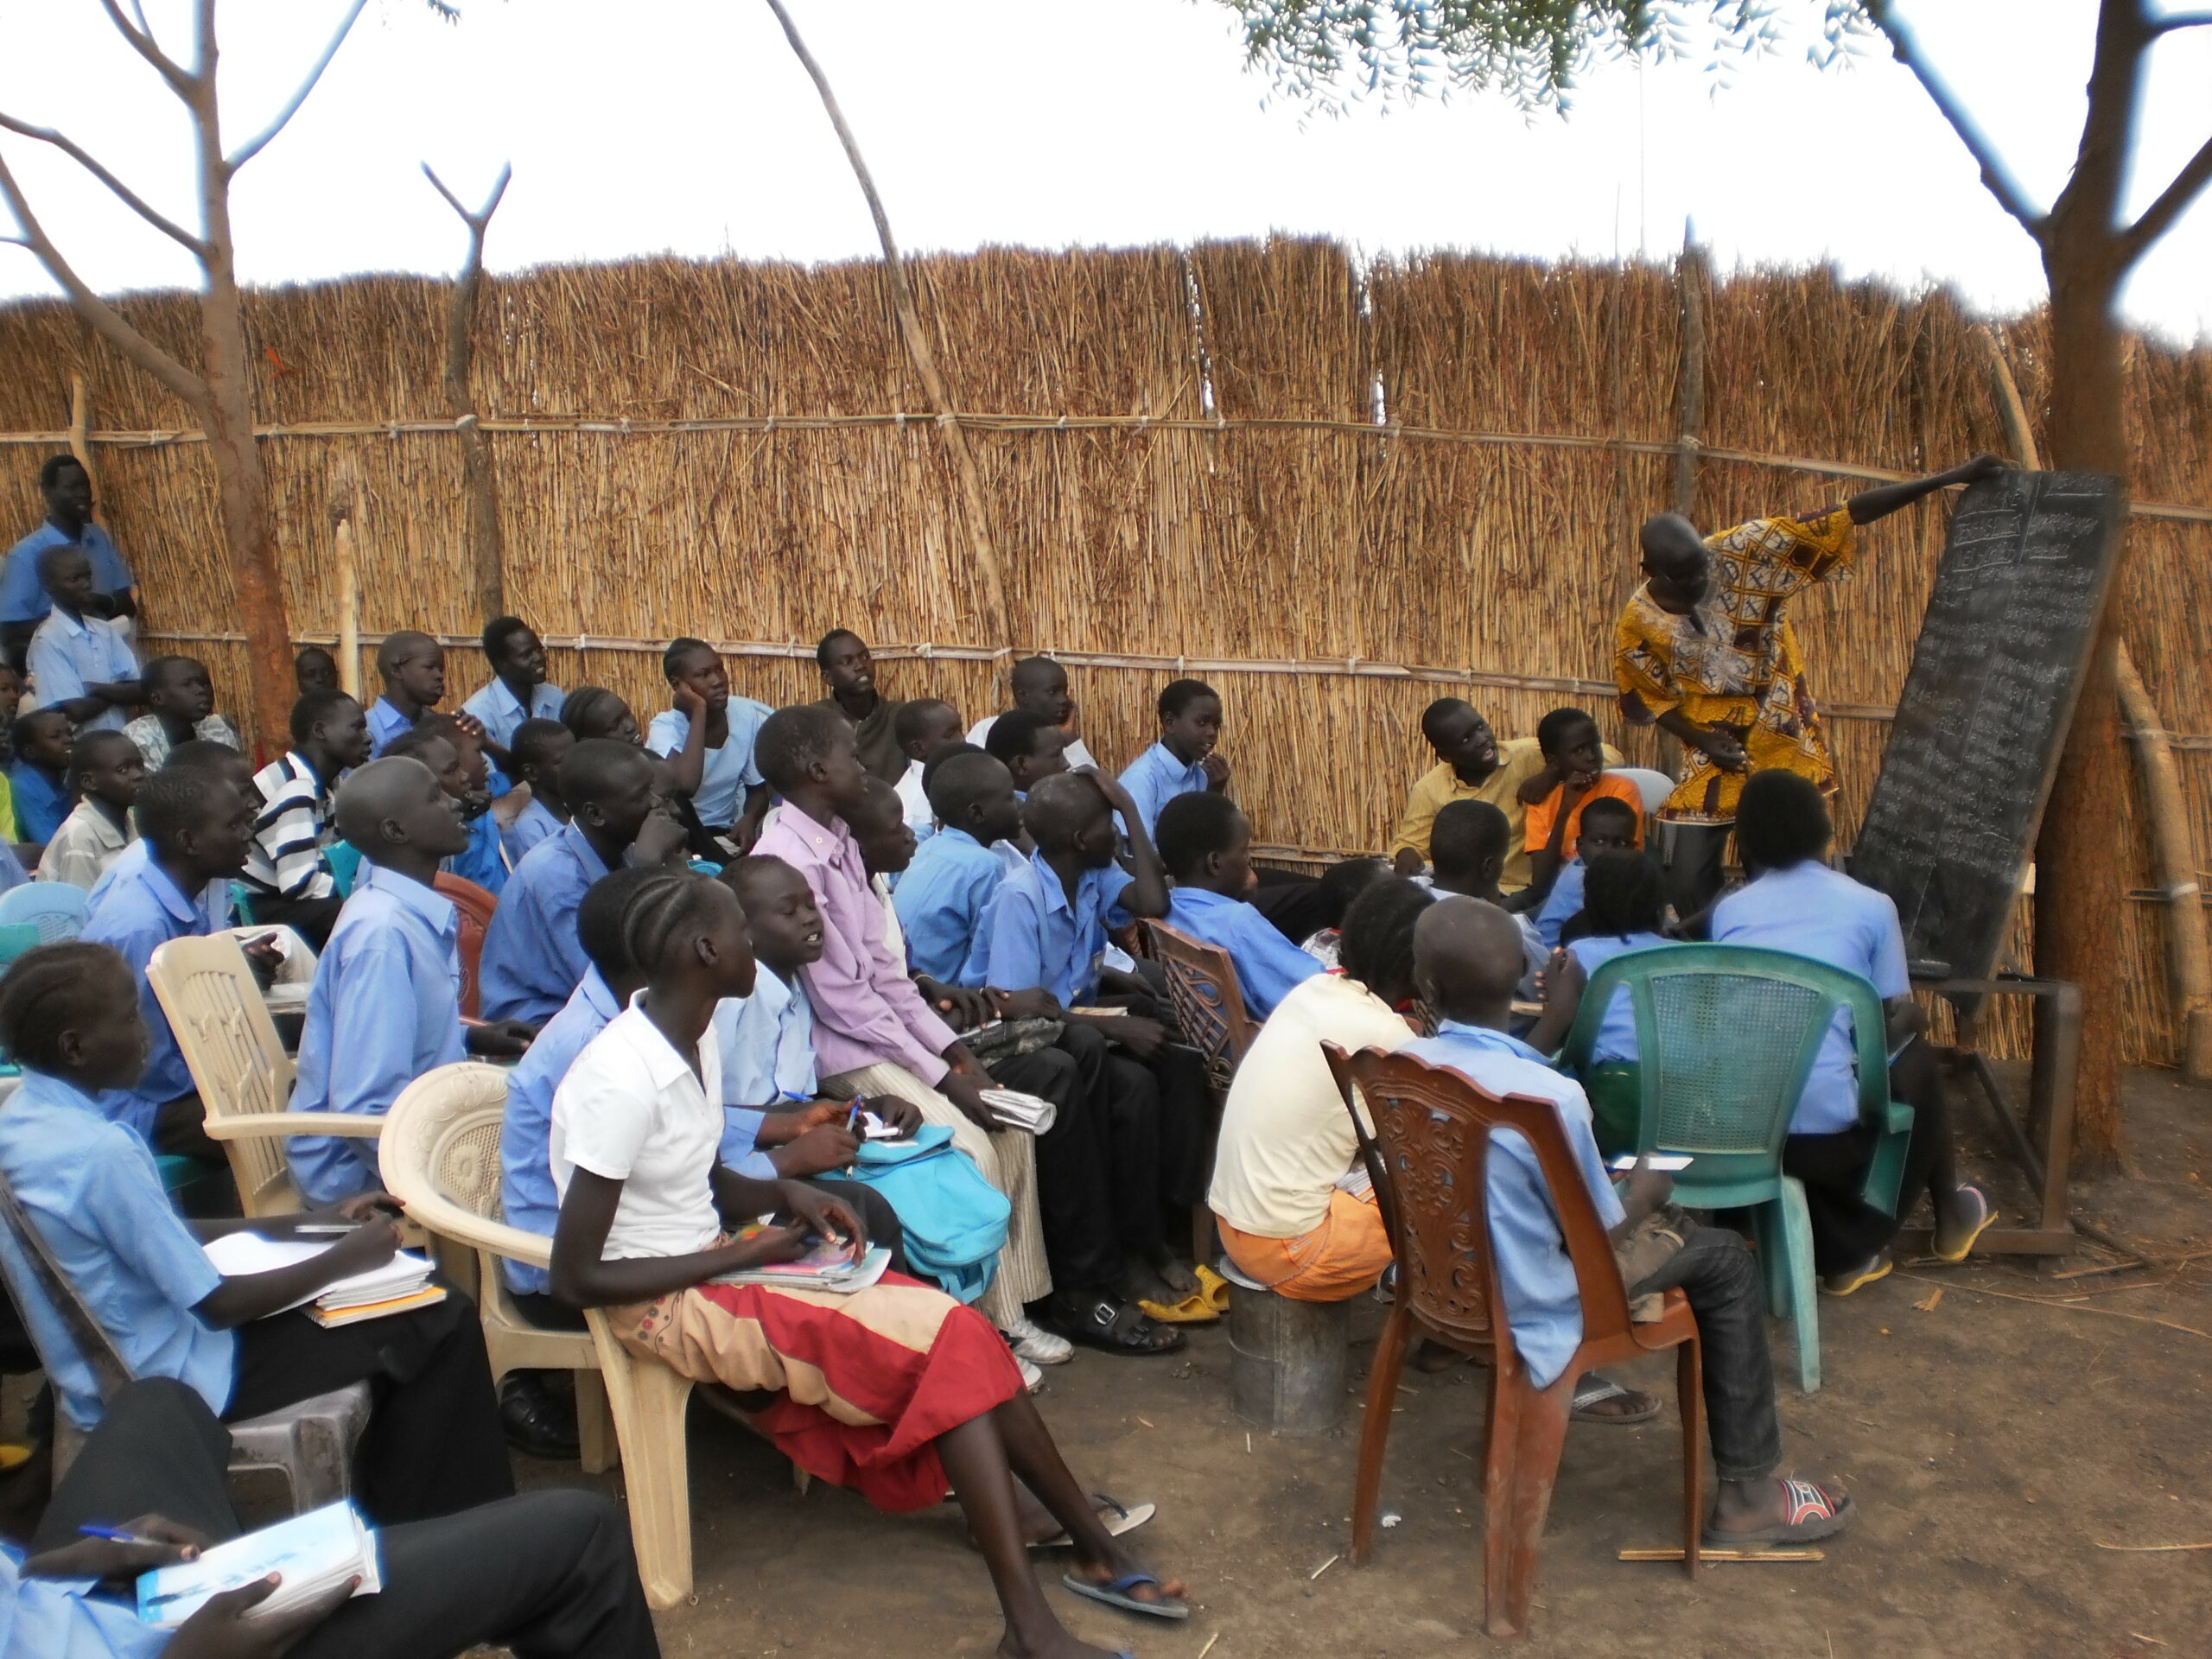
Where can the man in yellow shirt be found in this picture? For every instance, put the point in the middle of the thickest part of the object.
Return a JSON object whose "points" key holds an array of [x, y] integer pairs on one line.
{"points": [[1471, 764]]}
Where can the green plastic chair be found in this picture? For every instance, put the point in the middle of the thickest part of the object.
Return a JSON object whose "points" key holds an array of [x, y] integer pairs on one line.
{"points": [[16, 938], [1726, 1035]]}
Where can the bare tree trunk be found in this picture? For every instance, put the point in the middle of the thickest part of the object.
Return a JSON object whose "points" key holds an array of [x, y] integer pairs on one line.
{"points": [[479, 479]]}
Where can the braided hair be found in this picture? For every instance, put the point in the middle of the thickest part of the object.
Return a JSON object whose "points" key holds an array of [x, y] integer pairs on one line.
{"points": [[658, 916], [1377, 947], [57, 988]]}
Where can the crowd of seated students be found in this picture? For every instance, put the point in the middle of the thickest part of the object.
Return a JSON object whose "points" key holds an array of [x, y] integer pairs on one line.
{"points": [[904, 924]]}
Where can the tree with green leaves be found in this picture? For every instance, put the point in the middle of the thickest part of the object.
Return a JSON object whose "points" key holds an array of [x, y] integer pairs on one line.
{"points": [[1327, 52]]}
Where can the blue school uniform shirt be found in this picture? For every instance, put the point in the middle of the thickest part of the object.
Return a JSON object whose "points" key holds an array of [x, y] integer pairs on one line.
{"points": [[1268, 966], [62, 1619], [534, 823], [41, 799], [91, 1188], [385, 723], [138, 912], [24, 599], [532, 959], [213, 900], [528, 1199], [725, 773], [1616, 1039], [1561, 904], [1034, 936], [941, 900], [480, 860], [71, 652], [393, 967], [1813, 911], [1537, 1276], [499, 712], [1156, 776], [767, 1049]]}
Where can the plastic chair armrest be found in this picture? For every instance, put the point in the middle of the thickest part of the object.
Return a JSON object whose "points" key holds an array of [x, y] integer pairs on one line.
{"points": [[1896, 1118], [443, 1216], [247, 1126]]}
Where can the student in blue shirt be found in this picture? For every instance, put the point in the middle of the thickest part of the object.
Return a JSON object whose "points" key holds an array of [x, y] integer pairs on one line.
{"points": [[456, 760], [532, 960], [1794, 902], [536, 752], [1623, 908], [386, 1006], [1469, 842], [708, 738], [1029, 746], [1186, 759], [941, 898], [517, 692], [1206, 844], [413, 668], [1608, 826], [38, 777], [1467, 961], [69, 1016], [68, 491], [78, 663]]}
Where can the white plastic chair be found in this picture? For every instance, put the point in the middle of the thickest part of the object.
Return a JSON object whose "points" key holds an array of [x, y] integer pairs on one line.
{"points": [[1656, 786]]}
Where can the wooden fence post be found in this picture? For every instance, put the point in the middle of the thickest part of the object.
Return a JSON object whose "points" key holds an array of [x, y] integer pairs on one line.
{"points": [[1692, 277]]}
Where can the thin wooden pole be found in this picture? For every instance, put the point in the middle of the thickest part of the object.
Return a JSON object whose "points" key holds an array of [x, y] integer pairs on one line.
{"points": [[345, 510], [1692, 277], [2173, 846], [80, 429]]}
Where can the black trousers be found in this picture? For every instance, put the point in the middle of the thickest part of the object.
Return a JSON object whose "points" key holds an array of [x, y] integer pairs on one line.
{"points": [[1074, 1205], [1715, 1270], [1691, 856], [1098, 1167], [1848, 1231], [548, 1574], [434, 1444]]}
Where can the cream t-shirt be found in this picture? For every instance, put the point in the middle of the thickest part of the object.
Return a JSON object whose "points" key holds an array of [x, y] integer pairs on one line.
{"points": [[1285, 1135], [631, 1109]]}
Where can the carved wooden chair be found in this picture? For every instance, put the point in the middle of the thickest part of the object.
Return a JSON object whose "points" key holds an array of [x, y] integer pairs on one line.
{"points": [[1209, 1004]]}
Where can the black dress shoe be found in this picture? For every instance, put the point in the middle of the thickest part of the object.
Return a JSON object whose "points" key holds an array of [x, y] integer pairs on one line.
{"points": [[538, 1422]]}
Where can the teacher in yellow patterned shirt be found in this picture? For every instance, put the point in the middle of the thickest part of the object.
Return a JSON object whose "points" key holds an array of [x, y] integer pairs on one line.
{"points": [[1705, 649]]}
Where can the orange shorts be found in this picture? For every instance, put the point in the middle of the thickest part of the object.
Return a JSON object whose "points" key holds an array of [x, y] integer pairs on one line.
{"points": [[1339, 1258]]}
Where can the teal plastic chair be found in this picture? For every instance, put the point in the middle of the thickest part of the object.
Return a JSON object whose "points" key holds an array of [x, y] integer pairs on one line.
{"points": [[55, 908], [1726, 1035], [16, 938]]}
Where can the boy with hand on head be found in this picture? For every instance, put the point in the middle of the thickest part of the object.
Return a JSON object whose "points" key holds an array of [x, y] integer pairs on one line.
{"points": [[1040, 685], [708, 737], [38, 777], [316, 670], [1185, 759], [1206, 844], [393, 968], [533, 960], [78, 663], [1467, 959], [536, 752], [105, 771], [413, 667], [517, 692], [848, 672], [1608, 825], [924, 726], [181, 708], [451, 751], [1029, 746], [289, 882], [1572, 778]]}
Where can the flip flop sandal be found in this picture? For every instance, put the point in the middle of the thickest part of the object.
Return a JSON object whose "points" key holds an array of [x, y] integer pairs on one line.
{"points": [[1116, 1328], [1193, 1309], [1988, 1216], [1598, 1390], [1812, 1514], [1115, 1592], [1213, 1287], [1843, 1284], [1122, 1519]]}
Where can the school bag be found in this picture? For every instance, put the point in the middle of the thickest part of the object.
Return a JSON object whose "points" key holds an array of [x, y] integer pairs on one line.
{"points": [[955, 1221]]}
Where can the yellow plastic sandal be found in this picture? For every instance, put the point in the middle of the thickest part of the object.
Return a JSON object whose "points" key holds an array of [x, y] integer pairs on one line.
{"points": [[1214, 1288], [1193, 1309]]}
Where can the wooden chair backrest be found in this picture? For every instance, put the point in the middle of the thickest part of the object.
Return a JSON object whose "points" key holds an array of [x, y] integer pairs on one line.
{"points": [[1433, 1129], [1208, 1002], [236, 1060], [475, 905]]}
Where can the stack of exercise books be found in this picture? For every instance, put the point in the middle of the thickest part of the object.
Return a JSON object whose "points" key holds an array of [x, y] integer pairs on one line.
{"points": [[314, 1553], [400, 1284], [828, 1266]]}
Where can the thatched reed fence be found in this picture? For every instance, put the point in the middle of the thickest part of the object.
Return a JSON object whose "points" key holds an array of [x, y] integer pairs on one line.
{"points": [[1335, 494]]}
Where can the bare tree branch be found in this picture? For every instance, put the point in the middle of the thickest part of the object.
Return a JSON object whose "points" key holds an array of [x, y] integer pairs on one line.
{"points": [[95, 310], [2173, 21], [129, 198], [1994, 174], [2158, 218], [254, 146], [141, 38], [475, 221]]}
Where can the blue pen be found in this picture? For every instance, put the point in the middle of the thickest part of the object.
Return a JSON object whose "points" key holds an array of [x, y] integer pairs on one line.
{"points": [[115, 1535]]}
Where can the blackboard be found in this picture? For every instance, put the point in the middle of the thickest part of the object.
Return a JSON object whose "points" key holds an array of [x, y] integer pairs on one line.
{"points": [[1952, 822]]}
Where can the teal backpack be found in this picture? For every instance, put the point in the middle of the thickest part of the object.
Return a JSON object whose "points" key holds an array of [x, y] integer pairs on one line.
{"points": [[954, 1220]]}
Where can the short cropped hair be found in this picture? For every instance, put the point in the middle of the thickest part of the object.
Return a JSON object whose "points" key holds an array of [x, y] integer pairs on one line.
{"points": [[1780, 820], [1178, 694], [398, 643], [791, 740], [1439, 711], [1032, 670], [907, 725], [174, 800], [20, 729], [1610, 806], [1553, 730], [499, 630], [85, 751], [822, 646], [943, 758], [312, 709], [204, 754], [950, 782], [1192, 825], [48, 558], [1342, 882], [1466, 833], [53, 466], [533, 739], [1013, 735], [158, 668], [1376, 947]]}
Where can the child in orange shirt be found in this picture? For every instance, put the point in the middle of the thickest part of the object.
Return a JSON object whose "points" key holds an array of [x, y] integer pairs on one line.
{"points": [[1573, 776]]}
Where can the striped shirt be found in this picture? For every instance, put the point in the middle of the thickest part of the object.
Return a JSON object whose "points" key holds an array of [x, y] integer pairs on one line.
{"points": [[285, 855]]}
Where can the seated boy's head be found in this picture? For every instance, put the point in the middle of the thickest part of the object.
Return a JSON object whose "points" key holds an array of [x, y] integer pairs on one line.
{"points": [[809, 752], [217, 761], [1190, 719], [1568, 738], [1345, 882], [1623, 892], [42, 737], [1467, 847], [1207, 842], [924, 726], [66, 572], [609, 787], [1029, 746], [879, 824], [601, 916], [1040, 685], [1467, 959], [846, 668], [468, 749], [395, 802], [332, 722], [179, 687], [437, 746], [974, 793], [593, 711], [413, 664], [1460, 736], [514, 650], [71, 1010], [779, 906], [108, 768], [316, 670], [1067, 813], [538, 748], [697, 666], [1376, 947], [1608, 825], [1781, 821], [194, 817]]}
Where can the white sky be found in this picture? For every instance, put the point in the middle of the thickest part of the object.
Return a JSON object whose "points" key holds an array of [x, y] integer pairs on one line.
{"points": [[688, 126]]}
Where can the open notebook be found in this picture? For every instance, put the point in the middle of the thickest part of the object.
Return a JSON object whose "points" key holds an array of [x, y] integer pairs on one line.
{"points": [[402, 1282]]}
